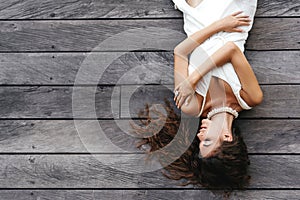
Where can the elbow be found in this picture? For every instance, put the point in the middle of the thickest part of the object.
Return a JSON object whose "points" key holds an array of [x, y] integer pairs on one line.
{"points": [[179, 51], [257, 99]]}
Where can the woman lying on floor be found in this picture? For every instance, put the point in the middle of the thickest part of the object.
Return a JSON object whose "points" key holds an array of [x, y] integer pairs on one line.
{"points": [[213, 81]]}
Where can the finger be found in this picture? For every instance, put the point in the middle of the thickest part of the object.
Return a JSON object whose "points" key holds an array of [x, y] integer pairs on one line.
{"points": [[243, 16], [244, 24], [175, 97], [238, 30], [244, 19], [181, 101], [174, 91], [176, 88], [178, 99], [237, 13]]}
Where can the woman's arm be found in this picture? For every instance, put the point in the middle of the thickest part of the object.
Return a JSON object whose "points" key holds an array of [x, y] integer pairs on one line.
{"points": [[185, 84], [251, 91], [183, 49]]}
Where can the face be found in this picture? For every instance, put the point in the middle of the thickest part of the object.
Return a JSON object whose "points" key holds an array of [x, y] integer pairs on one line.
{"points": [[211, 136]]}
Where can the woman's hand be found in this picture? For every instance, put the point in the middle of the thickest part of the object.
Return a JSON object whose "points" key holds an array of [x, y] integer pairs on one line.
{"points": [[232, 22], [183, 93]]}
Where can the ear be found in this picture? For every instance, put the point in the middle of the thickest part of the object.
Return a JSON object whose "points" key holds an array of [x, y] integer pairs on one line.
{"points": [[227, 137]]}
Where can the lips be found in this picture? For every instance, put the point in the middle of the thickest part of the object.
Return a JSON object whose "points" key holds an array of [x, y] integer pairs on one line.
{"points": [[203, 126]]}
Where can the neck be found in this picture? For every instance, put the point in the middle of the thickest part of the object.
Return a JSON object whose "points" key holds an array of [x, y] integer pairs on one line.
{"points": [[225, 119]]}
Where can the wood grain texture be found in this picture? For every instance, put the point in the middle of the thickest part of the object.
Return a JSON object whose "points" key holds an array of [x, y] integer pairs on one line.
{"points": [[277, 36], [56, 102], [102, 9], [278, 8], [270, 67], [68, 9], [104, 171], [44, 43], [41, 136], [271, 136], [146, 194], [279, 101], [86, 35]]}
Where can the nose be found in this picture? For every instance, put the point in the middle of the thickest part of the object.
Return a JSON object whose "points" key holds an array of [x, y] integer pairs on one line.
{"points": [[203, 121]]}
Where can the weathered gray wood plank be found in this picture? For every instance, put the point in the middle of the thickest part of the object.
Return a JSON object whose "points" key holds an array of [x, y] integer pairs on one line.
{"points": [[42, 136], [275, 66], [275, 36], [56, 102], [131, 68], [279, 8], [280, 101], [82, 171], [85, 35], [263, 135], [147, 194], [68, 9]]}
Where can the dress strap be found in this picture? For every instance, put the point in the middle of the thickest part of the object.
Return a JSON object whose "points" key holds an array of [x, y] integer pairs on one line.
{"points": [[202, 106]]}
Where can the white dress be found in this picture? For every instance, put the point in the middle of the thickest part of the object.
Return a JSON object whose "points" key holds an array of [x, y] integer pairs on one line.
{"points": [[207, 12]]}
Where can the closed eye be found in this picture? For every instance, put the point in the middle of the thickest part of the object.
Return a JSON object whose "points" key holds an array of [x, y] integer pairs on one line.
{"points": [[207, 142]]}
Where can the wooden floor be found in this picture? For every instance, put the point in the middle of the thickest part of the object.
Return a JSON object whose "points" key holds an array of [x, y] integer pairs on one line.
{"points": [[43, 44]]}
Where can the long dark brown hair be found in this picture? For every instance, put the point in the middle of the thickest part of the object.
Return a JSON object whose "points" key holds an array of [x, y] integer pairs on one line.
{"points": [[226, 169]]}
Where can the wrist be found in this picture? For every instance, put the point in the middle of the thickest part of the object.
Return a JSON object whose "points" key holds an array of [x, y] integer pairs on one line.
{"points": [[218, 26], [192, 81]]}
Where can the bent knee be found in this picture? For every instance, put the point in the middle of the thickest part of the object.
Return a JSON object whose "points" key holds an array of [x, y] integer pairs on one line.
{"points": [[190, 110], [231, 46]]}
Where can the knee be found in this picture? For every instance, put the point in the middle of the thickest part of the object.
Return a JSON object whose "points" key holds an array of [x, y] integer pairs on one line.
{"points": [[189, 111], [231, 46]]}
